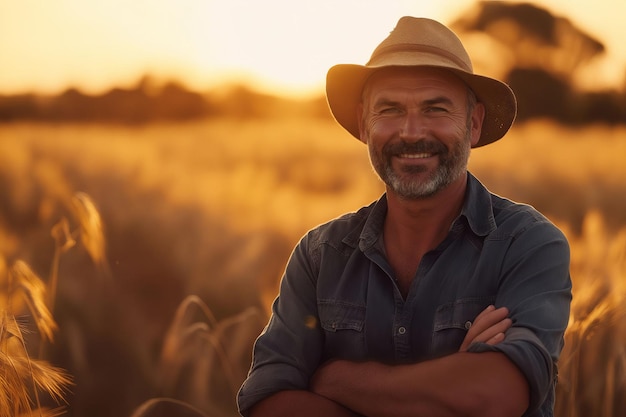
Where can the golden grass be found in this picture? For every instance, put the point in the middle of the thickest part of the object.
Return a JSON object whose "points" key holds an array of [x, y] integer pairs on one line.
{"points": [[91, 229], [22, 280], [250, 169], [593, 364], [253, 169], [565, 172], [266, 178], [201, 358], [22, 377]]}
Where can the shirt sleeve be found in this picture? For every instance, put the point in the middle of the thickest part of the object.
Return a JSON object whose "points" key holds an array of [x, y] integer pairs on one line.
{"points": [[288, 351], [536, 287]]}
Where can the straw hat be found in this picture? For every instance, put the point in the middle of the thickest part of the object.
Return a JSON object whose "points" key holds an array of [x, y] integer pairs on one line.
{"points": [[421, 42]]}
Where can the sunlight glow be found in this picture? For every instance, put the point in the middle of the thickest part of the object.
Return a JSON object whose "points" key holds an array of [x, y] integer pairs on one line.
{"points": [[275, 44]]}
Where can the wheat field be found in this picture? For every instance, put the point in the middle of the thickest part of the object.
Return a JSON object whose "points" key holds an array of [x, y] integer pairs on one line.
{"points": [[190, 224]]}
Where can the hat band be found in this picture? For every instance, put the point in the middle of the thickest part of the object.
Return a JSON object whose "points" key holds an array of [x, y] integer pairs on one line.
{"points": [[411, 47]]}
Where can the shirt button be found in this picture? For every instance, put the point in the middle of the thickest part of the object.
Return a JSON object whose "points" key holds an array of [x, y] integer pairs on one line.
{"points": [[401, 330], [468, 324]]}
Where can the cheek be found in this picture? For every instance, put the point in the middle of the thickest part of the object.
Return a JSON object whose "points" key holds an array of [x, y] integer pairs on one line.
{"points": [[453, 128], [377, 127]]}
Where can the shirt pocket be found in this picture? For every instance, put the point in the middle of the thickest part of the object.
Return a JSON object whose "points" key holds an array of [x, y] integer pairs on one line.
{"points": [[343, 324], [452, 321]]}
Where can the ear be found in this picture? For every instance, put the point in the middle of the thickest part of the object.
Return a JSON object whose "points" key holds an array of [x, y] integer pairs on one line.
{"points": [[478, 115]]}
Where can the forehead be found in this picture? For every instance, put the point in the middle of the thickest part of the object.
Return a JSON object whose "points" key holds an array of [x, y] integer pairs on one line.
{"points": [[413, 78]]}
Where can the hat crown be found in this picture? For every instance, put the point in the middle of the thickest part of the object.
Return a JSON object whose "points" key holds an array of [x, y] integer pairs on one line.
{"points": [[421, 42], [421, 39]]}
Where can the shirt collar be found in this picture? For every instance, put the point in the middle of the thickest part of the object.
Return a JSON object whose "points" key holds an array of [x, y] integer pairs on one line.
{"points": [[373, 228], [477, 209], [369, 228]]}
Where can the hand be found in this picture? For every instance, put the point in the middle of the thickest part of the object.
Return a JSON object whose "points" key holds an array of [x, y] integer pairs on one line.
{"points": [[324, 376], [488, 327], [326, 382]]}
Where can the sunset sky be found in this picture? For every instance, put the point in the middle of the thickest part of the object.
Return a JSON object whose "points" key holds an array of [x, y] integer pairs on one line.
{"points": [[282, 45]]}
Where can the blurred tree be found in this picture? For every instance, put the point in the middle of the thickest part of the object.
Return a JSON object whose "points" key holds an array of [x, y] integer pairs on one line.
{"points": [[539, 94], [539, 55], [535, 37], [18, 107]]}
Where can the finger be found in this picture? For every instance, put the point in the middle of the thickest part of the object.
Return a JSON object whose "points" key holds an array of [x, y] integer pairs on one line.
{"points": [[495, 339], [473, 328], [486, 319], [486, 311], [489, 317], [500, 327], [487, 336]]}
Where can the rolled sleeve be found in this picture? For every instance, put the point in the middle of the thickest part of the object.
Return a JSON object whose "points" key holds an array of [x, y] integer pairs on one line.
{"points": [[536, 287], [288, 350], [526, 351], [265, 381]]}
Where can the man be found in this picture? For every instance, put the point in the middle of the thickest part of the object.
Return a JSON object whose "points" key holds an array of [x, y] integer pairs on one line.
{"points": [[440, 299]]}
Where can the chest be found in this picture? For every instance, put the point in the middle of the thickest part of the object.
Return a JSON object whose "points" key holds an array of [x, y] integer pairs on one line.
{"points": [[369, 309], [404, 270]]}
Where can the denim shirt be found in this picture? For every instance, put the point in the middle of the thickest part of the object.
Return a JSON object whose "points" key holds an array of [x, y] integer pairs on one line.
{"points": [[338, 298]]}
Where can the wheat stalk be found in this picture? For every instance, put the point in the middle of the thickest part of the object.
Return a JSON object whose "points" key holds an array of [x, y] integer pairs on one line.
{"points": [[33, 290], [63, 241], [593, 363], [90, 227], [21, 377]]}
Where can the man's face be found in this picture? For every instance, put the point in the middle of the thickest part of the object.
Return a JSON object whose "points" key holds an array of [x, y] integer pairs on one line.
{"points": [[418, 129]]}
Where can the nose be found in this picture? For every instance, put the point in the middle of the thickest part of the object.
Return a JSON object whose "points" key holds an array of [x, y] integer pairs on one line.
{"points": [[412, 127]]}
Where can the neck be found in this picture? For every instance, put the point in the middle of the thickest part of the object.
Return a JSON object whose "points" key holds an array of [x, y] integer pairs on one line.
{"points": [[421, 224]]}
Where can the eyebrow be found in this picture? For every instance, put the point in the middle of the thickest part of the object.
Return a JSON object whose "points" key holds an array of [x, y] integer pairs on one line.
{"points": [[383, 101], [438, 100]]}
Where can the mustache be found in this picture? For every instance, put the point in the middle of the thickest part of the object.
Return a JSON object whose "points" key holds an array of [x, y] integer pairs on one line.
{"points": [[421, 146]]}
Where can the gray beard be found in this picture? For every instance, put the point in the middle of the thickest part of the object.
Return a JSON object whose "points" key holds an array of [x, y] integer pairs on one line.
{"points": [[453, 164]]}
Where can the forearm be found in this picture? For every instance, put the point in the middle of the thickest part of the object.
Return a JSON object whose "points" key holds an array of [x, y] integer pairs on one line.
{"points": [[299, 403], [485, 384]]}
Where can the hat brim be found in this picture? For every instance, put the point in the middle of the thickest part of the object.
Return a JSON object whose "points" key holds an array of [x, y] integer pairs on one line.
{"points": [[344, 86]]}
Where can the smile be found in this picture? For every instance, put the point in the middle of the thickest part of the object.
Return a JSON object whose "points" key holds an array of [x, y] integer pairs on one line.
{"points": [[415, 155]]}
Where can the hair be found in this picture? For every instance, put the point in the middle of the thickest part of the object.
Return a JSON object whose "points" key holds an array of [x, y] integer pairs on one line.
{"points": [[471, 103]]}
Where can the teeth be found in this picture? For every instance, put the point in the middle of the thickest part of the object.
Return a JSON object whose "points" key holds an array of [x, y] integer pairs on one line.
{"points": [[416, 155]]}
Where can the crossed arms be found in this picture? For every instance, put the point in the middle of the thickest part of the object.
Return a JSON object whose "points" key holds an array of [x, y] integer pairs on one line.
{"points": [[469, 384], [488, 375]]}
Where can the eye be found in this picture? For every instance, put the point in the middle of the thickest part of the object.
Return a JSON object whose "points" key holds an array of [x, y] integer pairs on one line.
{"points": [[389, 110], [436, 109]]}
